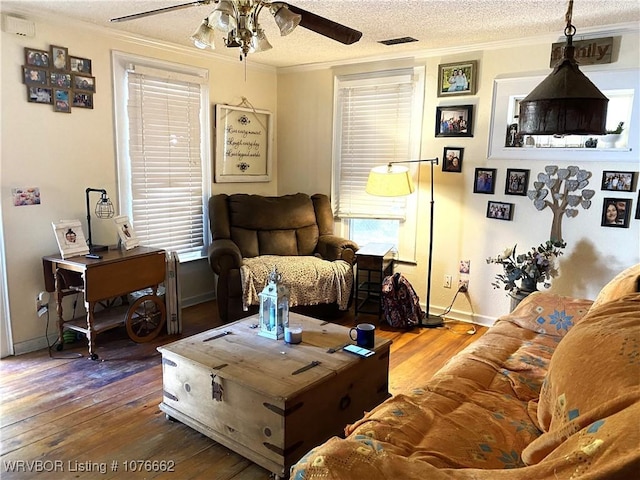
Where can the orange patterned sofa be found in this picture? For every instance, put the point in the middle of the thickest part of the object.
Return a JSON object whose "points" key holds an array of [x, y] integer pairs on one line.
{"points": [[551, 391]]}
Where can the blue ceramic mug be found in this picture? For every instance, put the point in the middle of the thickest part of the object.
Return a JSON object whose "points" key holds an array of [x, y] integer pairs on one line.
{"points": [[363, 334]]}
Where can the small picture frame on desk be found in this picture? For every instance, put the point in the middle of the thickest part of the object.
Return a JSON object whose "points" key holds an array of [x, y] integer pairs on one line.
{"points": [[126, 232], [70, 238]]}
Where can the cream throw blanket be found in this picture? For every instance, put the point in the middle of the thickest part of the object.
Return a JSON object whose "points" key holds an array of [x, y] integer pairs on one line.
{"points": [[310, 280]]}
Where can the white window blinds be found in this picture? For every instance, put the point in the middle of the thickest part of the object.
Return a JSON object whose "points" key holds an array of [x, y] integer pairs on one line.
{"points": [[166, 171], [375, 124]]}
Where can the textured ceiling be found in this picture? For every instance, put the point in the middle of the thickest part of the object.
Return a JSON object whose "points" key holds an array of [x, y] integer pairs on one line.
{"points": [[437, 24]]}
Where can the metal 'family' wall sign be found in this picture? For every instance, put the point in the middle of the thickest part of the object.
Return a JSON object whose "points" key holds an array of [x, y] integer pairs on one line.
{"points": [[243, 144]]}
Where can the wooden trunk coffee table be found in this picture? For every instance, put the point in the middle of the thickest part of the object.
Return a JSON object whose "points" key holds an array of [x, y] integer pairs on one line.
{"points": [[266, 400]]}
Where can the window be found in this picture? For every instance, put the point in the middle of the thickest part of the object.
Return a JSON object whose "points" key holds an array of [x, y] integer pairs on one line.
{"points": [[377, 120], [163, 174]]}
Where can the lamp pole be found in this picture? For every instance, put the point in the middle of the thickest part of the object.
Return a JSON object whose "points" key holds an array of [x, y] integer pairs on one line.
{"points": [[430, 321]]}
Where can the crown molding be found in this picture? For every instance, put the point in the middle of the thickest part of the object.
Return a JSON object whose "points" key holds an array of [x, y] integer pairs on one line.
{"points": [[423, 54]]}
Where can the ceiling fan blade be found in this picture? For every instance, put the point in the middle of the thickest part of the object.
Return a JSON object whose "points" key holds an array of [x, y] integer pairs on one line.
{"points": [[326, 27], [134, 16]]}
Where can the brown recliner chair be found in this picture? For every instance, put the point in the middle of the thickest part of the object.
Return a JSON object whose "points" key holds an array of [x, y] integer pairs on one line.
{"points": [[246, 226]]}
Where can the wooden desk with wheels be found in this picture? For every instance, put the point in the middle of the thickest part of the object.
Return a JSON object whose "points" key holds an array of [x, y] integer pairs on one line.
{"points": [[115, 275]]}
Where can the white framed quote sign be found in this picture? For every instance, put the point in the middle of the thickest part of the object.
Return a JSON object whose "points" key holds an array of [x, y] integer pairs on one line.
{"points": [[243, 144]]}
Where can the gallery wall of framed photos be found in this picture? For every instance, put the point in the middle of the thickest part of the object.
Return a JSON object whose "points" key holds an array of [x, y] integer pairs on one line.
{"points": [[53, 77]]}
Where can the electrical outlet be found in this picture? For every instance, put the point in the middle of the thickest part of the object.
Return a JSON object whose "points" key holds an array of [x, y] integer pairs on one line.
{"points": [[463, 286], [42, 303], [447, 281]]}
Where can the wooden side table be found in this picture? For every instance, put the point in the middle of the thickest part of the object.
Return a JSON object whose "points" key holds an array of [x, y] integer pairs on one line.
{"points": [[374, 262], [116, 274]]}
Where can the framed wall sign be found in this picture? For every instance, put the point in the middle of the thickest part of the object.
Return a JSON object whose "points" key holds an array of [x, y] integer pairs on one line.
{"points": [[243, 144]]}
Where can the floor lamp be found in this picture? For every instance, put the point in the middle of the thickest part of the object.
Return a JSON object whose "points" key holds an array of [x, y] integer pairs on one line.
{"points": [[393, 180]]}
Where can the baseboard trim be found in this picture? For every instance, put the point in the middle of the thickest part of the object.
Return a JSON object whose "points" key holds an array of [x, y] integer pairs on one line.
{"points": [[34, 344], [463, 316]]}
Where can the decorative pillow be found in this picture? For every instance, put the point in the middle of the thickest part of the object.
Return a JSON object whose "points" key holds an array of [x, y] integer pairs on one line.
{"points": [[627, 281], [594, 374]]}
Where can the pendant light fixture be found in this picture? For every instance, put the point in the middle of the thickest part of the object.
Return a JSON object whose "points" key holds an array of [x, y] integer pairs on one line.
{"points": [[566, 102]]}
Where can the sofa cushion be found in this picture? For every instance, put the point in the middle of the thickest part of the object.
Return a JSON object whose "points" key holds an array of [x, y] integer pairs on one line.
{"points": [[593, 377], [627, 281]]}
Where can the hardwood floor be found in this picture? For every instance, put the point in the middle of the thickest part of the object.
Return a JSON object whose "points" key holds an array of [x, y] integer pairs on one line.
{"points": [[65, 416]]}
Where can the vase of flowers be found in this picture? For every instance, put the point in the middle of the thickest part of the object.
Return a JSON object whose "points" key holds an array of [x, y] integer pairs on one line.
{"points": [[522, 273]]}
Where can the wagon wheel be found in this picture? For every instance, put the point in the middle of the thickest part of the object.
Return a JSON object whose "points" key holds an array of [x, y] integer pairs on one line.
{"points": [[145, 318]]}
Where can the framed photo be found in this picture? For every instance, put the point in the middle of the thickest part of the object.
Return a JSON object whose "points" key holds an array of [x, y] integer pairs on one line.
{"points": [[484, 180], [517, 182], [455, 121], [243, 144], [60, 80], [452, 159], [500, 210], [618, 181], [39, 95], [84, 82], [126, 232], [457, 78], [80, 65], [35, 76], [61, 100], [616, 212], [59, 58], [71, 240], [638, 206], [36, 58], [83, 100]]}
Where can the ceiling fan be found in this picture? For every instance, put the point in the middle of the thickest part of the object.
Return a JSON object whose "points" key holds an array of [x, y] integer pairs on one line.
{"points": [[238, 20]]}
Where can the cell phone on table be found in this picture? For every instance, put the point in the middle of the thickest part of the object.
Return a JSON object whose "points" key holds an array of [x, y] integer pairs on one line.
{"points": [[361, 352]]}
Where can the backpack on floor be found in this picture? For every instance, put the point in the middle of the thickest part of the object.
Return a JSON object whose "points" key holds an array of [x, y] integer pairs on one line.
{"points": [[400, 303]]}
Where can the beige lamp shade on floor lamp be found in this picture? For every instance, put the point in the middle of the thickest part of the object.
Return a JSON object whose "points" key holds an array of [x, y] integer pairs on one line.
{"points": [[394, 180]]}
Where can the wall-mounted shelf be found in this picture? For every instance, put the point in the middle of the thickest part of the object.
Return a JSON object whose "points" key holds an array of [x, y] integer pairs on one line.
{"points": [[620, 86]]}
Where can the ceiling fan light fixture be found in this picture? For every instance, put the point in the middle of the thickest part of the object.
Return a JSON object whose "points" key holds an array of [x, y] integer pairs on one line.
{"points": [[566, 102], [285, 19], [259, 43], [224, 16], [203, 37]]}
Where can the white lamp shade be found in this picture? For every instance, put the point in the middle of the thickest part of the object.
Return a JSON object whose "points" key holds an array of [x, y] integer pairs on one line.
{"points": [[390, 181]]}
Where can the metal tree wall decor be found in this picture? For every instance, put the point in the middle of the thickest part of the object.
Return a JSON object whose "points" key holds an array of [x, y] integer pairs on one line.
{"points": [[562, 190]]}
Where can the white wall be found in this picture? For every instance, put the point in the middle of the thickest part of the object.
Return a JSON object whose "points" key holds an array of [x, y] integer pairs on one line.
{"points": [[63, 154], [593, 254]]}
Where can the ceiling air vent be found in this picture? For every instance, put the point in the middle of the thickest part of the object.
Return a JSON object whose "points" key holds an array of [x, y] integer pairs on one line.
{"points": [[398, 41]]}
